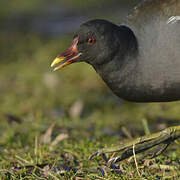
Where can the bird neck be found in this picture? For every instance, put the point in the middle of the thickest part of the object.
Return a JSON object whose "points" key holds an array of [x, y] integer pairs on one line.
{"points": [[128, 42], [120, 72]]}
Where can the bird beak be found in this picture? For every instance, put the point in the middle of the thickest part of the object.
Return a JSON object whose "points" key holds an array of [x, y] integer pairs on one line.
{"points": [[67, 57]]}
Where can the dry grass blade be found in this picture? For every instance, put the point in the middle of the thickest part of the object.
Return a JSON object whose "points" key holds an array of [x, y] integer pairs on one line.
{"points": [[76, 109], [136, 161], [46, 138], [163, 167], [59, 138], [126, 132]]}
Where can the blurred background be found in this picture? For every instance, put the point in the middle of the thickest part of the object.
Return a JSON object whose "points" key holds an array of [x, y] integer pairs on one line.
{"points": [[32, 34], [32, 97]]}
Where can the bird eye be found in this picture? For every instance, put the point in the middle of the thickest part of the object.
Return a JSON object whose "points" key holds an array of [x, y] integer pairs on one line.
{"points": [[91, 41]]}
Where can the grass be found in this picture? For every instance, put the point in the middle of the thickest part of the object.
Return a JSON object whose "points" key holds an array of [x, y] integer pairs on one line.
{"points": [[51, 122]]}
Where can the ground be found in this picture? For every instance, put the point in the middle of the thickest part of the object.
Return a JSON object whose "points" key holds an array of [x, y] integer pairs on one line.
{"points": [[51, 122]]}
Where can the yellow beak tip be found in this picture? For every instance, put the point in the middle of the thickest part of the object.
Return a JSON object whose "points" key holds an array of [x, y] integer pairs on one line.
{"points": [[57, 60], [51, 64]]}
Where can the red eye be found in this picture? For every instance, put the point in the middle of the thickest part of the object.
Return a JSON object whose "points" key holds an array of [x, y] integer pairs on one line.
{"points": [[91, 41]]}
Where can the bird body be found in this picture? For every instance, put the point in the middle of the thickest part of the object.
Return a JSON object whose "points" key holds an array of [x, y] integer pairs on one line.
{"points": [[157, 74], [140, 58]]}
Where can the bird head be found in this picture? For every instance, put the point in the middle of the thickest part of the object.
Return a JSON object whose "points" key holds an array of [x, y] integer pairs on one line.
{"points": [[95, 42]]}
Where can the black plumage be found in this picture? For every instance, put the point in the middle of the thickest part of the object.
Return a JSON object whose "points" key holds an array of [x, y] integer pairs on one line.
{"points": [[139, 59]]}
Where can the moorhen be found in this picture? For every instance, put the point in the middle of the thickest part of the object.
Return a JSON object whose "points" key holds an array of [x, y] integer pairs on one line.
{"points": [[139, 60]]}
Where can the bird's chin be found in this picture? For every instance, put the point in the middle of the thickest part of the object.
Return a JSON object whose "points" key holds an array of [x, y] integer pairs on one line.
{"points": [[67, 57]]}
